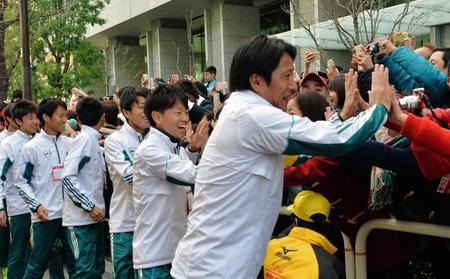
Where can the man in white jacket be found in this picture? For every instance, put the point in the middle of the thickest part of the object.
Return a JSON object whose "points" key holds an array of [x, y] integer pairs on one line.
{"points": [[39, 184], [239, 180], [163, 171], [120, 147], [83, 180], [10, 129], [24, 114]]}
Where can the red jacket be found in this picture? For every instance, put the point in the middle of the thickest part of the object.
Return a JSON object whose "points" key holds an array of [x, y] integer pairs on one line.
{"points": [[428, 134], [430, 143]]}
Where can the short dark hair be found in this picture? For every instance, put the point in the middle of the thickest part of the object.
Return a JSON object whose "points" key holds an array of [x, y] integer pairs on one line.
{"points": [[260, 55], [111, 112], [338, 85], [146, 91], [129, 95], [188, 88], [312, 104], [22, 108], [17, 94], [89, 111], [71, 114], [7, 112], [8, 109], [163, 98], [445, 55], [211, 69], [201, 88], [48, 106]]}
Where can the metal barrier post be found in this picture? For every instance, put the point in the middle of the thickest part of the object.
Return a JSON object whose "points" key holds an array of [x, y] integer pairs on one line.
{"points": [[349, 257], [391, 225]]}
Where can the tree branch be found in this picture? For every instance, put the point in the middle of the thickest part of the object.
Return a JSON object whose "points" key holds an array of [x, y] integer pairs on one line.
{"points": [[398, 21], [36, 16], [14, 63]]}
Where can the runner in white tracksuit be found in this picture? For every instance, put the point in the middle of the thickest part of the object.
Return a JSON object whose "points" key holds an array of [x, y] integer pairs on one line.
{"points": [[120, 147], [162, 172], [11, 147], [39, 173], [83, 180], [3, 135], [18, 212], [11, 127], [39, 184], [4, 231]]}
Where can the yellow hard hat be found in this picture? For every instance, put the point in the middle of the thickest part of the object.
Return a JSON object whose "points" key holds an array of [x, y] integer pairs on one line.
{"points": [[308, 203], [289, 160]]}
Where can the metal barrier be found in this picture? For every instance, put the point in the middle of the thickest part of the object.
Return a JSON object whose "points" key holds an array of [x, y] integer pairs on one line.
{"points": [[392, 225], [284, 211], [349, 257]]}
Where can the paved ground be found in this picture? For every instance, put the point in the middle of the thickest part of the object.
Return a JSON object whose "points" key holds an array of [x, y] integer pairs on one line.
{"points": [[106, 275]]}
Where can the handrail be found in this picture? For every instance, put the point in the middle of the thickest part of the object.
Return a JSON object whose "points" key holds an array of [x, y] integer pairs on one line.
{"points": [[349, 257], [392, 225]]}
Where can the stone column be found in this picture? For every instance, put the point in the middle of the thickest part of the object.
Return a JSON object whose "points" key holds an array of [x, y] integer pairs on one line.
{"points": [[440, 35], [149, 54], [208, 37], [168, 48], [227, 25], [125, 62]]}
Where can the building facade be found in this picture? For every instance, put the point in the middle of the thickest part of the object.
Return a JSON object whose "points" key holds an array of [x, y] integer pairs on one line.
{"points": [[161, 37]]}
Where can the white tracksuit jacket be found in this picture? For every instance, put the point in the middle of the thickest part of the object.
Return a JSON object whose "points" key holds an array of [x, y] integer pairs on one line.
{"points": [[39, 173], [120, 147], [162, 170], [83, 178], [238, 187], [11, 149], [3, 135]]}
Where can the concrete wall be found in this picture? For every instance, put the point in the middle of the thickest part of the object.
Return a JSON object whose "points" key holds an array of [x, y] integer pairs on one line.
{"points": [[124, 64], [129, 65], [167, 49], [214, 40], [208, 37], [308, 10], [109, 69], [120, 11], [440, 35], [149, 53], [226, 27], [341, 58], [239, 24], [174, 54]]}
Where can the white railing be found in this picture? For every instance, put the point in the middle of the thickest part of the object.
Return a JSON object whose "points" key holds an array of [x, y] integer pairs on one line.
{"points": [[349, 257], [391, 225]]}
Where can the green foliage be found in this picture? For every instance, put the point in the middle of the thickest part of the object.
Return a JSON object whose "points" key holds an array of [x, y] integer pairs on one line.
{"points": [[61, 58], [11, 47]]}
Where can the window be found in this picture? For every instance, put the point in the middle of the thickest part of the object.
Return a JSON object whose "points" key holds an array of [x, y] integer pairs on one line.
{"points": [[273, 19]]}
